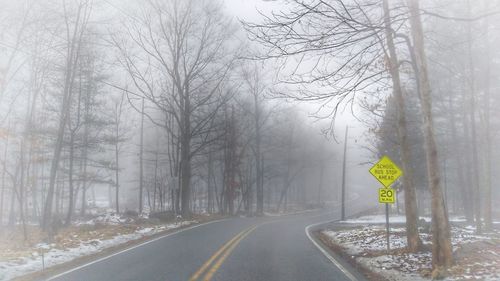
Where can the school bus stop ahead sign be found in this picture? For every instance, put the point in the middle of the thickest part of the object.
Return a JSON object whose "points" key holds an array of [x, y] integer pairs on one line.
{"points": [[385, 171]]}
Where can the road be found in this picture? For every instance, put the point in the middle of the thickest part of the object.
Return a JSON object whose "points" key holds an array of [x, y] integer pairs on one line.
{"points": [[239, 249]]}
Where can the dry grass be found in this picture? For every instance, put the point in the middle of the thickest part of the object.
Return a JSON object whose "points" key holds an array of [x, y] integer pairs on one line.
{"points": [[12, 242], [13, 246]]}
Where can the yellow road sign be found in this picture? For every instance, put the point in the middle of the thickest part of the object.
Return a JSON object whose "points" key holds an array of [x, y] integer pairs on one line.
{"points": [[385, 171], [386, 195]]}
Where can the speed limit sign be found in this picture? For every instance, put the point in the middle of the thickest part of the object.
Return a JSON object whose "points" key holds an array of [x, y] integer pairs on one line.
{"points": [[386, 195]]}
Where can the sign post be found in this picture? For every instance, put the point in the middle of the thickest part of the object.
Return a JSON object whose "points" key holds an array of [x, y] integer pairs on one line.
{"points": [[386, 172]]}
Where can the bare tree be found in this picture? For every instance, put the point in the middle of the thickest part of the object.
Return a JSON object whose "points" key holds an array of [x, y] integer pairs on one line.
{"points": [[413, 240], [179, 62], [486, 121], [75, 29], [74, 125], [118, 140], [442, 257], [253, 77], [335, 49]]}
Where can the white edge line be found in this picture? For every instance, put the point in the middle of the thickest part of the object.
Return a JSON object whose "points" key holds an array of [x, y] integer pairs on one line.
{"points": [[131, 248], [327, 255]]}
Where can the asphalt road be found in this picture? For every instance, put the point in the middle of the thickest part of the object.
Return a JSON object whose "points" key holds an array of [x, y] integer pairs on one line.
{"points": [[239, 249]]}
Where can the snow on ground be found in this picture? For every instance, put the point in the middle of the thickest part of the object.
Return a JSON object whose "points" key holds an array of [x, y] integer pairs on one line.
{"points": [[364, 239], [54, 255], [107, 218], [391, 267], [376, 219], [292, 212]]}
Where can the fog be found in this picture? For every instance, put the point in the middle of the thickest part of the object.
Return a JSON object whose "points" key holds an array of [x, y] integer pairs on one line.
{"points": [[240, 108]]}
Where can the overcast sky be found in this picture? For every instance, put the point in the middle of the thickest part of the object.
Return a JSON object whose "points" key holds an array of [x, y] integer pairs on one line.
{"points": [[247, 10]]}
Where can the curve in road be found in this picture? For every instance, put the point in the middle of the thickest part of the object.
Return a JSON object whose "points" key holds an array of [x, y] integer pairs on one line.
{"points": [[267, 249]]}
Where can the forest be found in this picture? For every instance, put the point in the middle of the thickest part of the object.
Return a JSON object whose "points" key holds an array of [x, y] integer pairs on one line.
{"points": [[153, 111], [179, 107]]}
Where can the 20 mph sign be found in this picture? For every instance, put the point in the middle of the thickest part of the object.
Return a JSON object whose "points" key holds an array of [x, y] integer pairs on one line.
{"points": [[386, 195]]}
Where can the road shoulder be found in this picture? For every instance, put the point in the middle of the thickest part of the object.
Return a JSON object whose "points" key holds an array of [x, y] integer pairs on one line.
{"points": [[83, 261], [351, 271], [362, 243]]}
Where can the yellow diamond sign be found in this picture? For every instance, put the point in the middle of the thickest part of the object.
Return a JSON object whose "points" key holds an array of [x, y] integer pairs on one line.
{"points": [[385, 171]]}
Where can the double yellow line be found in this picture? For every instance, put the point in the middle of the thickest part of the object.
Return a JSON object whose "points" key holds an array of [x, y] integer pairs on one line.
{"points": [[215, 261]]}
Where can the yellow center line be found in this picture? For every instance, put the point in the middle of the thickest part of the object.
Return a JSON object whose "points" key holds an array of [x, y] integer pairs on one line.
{"points": [[219, 262], [202, 269]]}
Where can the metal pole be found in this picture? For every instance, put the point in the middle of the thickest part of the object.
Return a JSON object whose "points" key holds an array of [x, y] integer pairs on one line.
{"points": [[343, 174], [387, 226]]}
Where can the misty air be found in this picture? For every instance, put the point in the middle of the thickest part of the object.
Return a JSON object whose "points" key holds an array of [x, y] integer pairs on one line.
{"points": [[242, 140]]}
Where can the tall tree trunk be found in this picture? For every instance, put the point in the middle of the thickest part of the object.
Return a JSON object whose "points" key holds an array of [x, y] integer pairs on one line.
{"points": [[186, 158], [72, 132], [287, 182], [185, 179], [21, 195], [413, 240], [34, 181], [118, 113], [71, 183], [141, 152], [258, 159], [210, 191], [117, 173], [442, 257], [84, 197], [230, 162], [155, 184], [472, 106], [12, 212], [4, 186], [83, 182], [73, 51], [459, 160], [153, 207], [57, 193], [487, 128]]}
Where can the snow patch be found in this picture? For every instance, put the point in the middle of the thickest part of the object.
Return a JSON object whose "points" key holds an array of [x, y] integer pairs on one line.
{"points": [[364, 239], [376, 219], [53, 256]]}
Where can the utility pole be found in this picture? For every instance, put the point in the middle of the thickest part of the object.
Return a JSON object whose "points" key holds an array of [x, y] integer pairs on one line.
{"points": [[343, 174], [141, 158]]}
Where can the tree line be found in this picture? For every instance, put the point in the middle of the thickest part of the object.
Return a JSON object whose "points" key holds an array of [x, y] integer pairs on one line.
{"points": [[154, 106]]}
